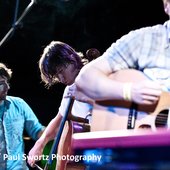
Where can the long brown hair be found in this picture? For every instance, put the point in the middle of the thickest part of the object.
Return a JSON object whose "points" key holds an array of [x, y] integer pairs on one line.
{"points": [[56, 55]]}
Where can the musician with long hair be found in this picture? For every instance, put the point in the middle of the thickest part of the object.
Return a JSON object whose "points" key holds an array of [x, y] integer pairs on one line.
{"points": [[61, 63]]}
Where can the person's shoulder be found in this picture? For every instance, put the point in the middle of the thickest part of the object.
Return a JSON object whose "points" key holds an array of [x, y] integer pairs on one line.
{"points": [[14, 99], [155, 30]]}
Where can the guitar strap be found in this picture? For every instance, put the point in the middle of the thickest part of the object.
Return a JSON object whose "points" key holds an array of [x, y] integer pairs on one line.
{"points": [[132, 116]]}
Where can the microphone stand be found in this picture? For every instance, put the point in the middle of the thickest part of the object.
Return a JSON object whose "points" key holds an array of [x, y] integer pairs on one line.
{"points": [[58, 136], [27, 9]]}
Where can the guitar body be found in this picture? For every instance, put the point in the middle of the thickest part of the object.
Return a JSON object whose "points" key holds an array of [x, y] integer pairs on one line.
{"points": [[113, 114]]}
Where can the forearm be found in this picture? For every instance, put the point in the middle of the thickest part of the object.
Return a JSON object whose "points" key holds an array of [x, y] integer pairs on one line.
{"points": [[40, 133], [127, 85], [50, 131], [98, 86]]}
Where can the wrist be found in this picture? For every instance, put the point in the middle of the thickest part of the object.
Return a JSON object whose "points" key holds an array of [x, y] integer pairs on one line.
{"points": [[41, 142], [127, 91]]}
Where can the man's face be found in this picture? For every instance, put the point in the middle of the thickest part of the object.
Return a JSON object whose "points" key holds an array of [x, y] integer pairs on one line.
{"points": [[67, 75], [4, 87]]}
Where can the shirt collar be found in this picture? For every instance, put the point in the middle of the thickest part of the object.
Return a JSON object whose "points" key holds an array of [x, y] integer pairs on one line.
{"points": [[7, 102]]}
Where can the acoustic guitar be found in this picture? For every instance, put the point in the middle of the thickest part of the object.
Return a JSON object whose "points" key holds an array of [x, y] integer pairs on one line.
{"points": [[114, 114]]}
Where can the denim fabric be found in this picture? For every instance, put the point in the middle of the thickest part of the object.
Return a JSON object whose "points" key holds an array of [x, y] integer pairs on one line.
{"points": [[17, 117]]}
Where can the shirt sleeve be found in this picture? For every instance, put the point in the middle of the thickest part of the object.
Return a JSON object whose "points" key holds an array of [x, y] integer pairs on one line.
{"points": [[64, 101], [79, 109], [32, 124], [125, 52]]}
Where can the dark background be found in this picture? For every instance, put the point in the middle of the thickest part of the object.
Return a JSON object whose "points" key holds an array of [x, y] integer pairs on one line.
{"points": [[83, 24]]}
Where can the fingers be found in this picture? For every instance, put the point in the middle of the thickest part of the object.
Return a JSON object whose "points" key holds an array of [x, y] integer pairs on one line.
{"points": [[33, 158], [72, 92], [150, 97], [148, 100], [78, 95], [31, 163], [151, 93], [146, 92]]}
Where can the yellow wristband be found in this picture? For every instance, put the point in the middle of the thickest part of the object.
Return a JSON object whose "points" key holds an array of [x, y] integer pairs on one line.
{"points": [[127, 91]]}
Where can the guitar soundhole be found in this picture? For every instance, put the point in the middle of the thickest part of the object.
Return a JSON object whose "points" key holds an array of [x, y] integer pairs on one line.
{"points": [[161, 119]]}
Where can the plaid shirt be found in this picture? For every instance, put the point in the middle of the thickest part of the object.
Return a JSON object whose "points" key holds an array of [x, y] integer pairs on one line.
{"points": [[147, 47]]}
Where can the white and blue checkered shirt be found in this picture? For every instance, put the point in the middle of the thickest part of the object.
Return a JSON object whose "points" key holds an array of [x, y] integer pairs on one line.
{"points": [[146, 49]]}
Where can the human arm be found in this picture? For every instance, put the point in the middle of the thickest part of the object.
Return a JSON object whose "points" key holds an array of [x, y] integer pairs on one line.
{"points": [[99, 86], [48, 134], [94, 78], [50, 131]]}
